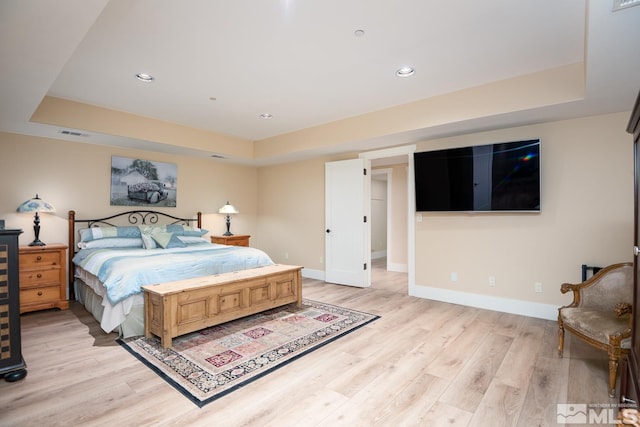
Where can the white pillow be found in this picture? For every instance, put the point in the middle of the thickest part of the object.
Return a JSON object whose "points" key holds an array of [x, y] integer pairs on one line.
{"points": [[112, 242]]}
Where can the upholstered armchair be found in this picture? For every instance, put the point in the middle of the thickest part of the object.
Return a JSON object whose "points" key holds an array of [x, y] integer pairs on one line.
{"points": [[600, 314]]}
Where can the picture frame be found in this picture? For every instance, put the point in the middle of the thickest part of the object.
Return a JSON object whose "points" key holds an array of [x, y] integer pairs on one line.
{"points": [[140, 182]]}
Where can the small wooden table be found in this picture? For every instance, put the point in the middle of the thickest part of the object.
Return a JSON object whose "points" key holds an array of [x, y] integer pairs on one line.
{"points": [[233, 240], [43, 277], [179, 307]]}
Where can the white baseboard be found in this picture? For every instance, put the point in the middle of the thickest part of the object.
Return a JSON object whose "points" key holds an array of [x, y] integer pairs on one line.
{"points": [[313, 274], [504, 305], [399, 268], [378, 254]]}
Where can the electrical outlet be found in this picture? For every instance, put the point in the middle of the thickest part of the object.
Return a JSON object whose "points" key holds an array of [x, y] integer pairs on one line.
{"points": [[321, 260], [454, 276], [538, 287], [492, 280], [286, 255]]}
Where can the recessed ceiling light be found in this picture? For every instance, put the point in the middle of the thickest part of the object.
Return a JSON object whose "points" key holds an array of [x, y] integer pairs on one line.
{"points": [[358, 33], [405, 71], [147, 78], [266, 116]]}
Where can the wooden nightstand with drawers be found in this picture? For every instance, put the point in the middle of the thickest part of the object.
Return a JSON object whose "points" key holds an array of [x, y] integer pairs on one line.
{"points": [[233, 240], [43, 271]]}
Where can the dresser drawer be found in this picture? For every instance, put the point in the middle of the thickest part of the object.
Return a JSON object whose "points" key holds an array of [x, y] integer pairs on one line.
{"points": [[39, 295], [39, 259], [29, 278]]}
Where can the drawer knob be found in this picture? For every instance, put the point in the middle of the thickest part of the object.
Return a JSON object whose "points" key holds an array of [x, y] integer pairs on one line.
{"points": [[38, 258], [39, 293], [39, 275]]}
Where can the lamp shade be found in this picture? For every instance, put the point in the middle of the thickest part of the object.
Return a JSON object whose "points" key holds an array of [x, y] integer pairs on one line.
{"points": [[228, 209], [36, 205]]}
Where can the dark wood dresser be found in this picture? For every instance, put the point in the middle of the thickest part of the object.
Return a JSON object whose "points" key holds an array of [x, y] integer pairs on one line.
{"points": [[12, 366]]}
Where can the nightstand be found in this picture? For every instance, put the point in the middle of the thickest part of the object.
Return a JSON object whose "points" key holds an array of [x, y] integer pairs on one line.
{"points": [[43, 271], [233, 240]]}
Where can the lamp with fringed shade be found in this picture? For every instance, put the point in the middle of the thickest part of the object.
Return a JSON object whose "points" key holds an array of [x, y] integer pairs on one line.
{"points": [[36, 205]]}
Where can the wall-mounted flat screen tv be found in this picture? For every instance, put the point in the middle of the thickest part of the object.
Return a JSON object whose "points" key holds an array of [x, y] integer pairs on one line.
{"points": [[484, 178]]}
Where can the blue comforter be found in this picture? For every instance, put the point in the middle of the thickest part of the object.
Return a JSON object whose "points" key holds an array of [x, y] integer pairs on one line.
{"points": [[124, 271]]}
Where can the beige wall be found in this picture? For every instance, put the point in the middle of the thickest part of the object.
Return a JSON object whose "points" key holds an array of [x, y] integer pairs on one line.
{"points": [[398, 244], [76, 176], [587, 217], [378, 217], [587, 206], [291, 212]]}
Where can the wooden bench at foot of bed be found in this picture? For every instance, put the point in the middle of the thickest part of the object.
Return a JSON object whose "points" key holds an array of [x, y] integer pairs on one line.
{"points": [[183, 306]]}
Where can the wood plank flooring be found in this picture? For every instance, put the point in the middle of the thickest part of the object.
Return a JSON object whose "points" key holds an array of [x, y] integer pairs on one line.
{"points": [[423, 363]]}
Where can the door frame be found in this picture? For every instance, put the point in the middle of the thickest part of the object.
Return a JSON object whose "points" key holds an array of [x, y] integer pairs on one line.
{"points": [[407, 150]]}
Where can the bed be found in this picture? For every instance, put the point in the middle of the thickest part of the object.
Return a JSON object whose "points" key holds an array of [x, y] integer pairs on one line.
{"points": [[114, 257]]}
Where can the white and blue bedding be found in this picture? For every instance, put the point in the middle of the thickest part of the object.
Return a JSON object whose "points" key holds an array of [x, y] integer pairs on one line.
{"points": [[124, 271]]}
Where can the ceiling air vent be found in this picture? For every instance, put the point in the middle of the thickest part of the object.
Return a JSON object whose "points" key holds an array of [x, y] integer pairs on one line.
{"points": [[73, 133], [623, 4]]}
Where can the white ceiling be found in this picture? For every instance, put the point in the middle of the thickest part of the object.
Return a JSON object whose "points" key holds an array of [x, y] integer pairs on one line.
{"points": [[301, 61]]}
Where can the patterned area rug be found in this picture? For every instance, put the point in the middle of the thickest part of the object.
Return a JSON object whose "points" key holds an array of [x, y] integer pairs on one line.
{"points": [[210, 363]]}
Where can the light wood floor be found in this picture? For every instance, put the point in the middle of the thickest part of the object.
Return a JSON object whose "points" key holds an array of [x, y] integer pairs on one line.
{"points": [[423, 363]]}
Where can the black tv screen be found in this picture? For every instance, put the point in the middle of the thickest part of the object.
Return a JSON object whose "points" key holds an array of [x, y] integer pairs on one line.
{"points": [[484, 178]]}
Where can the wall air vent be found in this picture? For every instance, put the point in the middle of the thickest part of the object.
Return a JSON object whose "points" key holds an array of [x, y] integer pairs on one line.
{"points": [[73, 133], [623, 4]]}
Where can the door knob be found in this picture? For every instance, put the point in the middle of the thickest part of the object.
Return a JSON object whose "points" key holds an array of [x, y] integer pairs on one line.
{"points": [[636, 251]]}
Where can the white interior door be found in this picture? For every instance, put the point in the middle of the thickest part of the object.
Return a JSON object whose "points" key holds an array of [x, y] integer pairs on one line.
{"points": [[347, 233]]}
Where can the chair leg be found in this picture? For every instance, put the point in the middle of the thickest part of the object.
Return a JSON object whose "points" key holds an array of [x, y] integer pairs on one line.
{"points": [[560, 337], [615, 352], [613, 375]]}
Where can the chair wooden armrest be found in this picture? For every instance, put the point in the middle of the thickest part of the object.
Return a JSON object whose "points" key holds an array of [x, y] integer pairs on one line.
{"points": [[575, 288]]}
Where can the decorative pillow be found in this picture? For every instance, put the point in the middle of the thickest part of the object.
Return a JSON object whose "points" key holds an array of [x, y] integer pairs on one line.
{"points": [[192, 240], [96, 233], [112, 242], [183, 230], [167, 240], [148, 242], [195, 232]]}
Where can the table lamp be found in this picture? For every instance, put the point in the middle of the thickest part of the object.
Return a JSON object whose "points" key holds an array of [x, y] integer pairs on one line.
{"points": [[36, 205], [228, 209]]}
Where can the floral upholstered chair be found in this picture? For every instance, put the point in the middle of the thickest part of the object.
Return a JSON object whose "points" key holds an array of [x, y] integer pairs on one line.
{"points": [[600, 314]]}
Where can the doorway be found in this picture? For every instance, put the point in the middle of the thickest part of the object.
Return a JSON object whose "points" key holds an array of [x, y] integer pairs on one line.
{"points": [[394, 272], [389, 228]]}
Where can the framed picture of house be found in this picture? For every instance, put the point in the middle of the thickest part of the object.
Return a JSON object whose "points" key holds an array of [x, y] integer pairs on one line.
{"points": [[138, 182]]}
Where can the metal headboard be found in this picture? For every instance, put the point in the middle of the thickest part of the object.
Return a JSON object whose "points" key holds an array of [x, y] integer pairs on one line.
{"points": [[137, 217]]}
